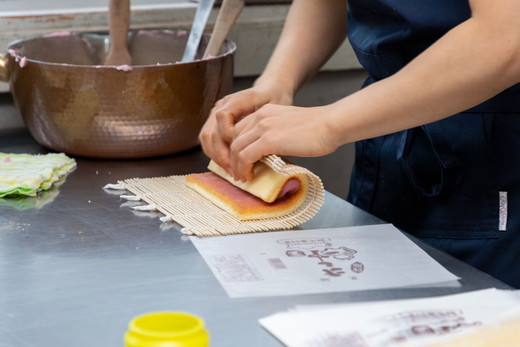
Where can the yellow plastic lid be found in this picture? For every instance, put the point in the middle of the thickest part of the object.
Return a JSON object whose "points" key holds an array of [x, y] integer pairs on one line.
{"points": [[167, 329]]}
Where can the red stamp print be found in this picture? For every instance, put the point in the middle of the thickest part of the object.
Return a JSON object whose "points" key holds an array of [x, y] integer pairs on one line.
{"points": [[357, 267], [327, 256]]}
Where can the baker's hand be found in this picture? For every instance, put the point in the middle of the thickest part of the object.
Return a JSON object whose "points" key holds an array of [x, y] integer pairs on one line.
{"points": [[282, 130], [217, 133]]}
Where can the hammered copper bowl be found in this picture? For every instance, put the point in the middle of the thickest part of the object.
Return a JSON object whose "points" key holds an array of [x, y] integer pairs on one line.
{"points": [[71, 103]]}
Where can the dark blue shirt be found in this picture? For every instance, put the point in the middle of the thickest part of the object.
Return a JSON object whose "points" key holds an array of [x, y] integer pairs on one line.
{"points": [[454, 183]]}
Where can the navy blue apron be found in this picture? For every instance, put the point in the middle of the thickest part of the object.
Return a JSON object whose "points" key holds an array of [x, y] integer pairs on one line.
{"points": [[454, 183]]}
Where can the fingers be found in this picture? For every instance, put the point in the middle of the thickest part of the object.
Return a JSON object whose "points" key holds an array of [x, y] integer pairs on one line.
{"points": [[213, 145], [217, 134], [280, 130], [236, 133], [252, 141], [205, 135], [244, 152], [225, 123]]}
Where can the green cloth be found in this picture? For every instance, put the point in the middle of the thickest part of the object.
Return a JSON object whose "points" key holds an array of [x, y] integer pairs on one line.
{"points": [[30, 202], [28, 174]]}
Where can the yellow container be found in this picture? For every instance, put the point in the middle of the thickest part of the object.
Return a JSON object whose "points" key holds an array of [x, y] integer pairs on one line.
{"points": [[167, 329]]}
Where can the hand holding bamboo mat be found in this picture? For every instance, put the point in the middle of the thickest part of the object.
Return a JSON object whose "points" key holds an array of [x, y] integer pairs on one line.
{"points": [[199, 216]]}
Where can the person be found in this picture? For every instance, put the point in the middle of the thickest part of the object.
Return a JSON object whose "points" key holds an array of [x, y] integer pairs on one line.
{"points": [[436, 125]]}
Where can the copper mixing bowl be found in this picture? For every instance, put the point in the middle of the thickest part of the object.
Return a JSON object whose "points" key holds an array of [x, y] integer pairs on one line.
{"points": [[71, 103]]}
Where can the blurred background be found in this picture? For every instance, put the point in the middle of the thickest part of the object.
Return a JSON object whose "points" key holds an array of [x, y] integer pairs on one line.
{"points": [[255, 33]]}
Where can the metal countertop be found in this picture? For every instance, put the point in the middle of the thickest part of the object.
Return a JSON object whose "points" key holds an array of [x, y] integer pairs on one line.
{"points": [[76, 270]]}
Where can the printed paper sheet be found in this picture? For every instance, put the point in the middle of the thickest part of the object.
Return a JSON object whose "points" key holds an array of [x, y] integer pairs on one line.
{"points": [[319, 261], [400, 323]]}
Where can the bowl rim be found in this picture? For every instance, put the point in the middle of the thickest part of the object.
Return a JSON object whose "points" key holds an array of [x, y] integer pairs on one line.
{"points": [[13, 44]]}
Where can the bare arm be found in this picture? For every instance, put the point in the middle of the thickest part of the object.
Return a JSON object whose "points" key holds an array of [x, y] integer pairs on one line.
{"points": [[470, 64], [473, 62], [314, 29]]}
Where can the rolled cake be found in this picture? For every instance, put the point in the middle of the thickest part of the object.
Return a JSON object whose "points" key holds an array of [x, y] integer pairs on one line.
{"points": [[269, 195]]}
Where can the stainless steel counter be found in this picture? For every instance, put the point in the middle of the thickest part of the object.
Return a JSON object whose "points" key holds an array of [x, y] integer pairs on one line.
{"points": [[76, 267]]}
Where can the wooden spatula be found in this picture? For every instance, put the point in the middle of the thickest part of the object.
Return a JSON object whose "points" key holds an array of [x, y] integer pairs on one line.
{"points": [[227, 16], [119, 21]]}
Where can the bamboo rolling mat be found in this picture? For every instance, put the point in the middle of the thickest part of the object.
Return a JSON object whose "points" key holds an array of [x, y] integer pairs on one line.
{"points": [[198, 216]]}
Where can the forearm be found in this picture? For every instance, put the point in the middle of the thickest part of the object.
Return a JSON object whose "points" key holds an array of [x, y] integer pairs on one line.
{"points": [[313, 31], [470, 64]]}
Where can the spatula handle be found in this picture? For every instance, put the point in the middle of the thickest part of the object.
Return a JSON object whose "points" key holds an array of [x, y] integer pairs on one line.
{"points": [[119, 21], [227, 16]]}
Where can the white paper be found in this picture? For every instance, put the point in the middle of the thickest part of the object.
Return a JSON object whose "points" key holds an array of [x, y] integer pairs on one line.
{"points": [[403, 323], [318, 261]]}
